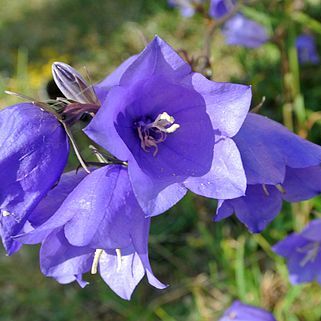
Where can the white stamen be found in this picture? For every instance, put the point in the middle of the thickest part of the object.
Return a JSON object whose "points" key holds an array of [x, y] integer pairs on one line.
{"points": [[97, 256], [311, 250], [154, 133], [280, 188], [266, 192], [118, 253], [164, 120], [5, 213]]}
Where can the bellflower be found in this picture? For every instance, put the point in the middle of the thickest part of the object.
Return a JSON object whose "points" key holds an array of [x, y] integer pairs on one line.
{"points": [[307, 51], [98, 227], [302, 252], [242, 31], [186, 7], [279, 165], [33, 153], [239, 311], [220, 8], [174, 129]]}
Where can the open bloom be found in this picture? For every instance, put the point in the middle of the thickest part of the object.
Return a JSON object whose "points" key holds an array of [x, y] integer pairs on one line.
{"points": [[303, 254], [98, 227], [239, 311], [307, 51], [242, 31], [173, 127], [33, 153], [279, 165], [220, 8]]}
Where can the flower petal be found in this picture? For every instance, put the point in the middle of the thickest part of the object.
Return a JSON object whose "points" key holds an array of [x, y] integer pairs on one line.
{"points": [[256, 210], [227, 104], [226, 178], [34, 151], [261, 142]]}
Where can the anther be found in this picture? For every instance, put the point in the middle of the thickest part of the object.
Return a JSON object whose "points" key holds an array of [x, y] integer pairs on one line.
{"points": [[97, 256]]}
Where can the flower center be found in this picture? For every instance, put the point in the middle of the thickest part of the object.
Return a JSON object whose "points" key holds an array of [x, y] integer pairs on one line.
{"points": [[153, 133], [311, 250]]}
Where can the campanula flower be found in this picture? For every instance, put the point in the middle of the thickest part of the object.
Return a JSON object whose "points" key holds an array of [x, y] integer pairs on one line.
{"points": [[187, 7], [167, 123], [242, 31], [307, 51], [98, 227], [239, 311], [302, 252], [279, 165], [33, 153], [220, 8]]}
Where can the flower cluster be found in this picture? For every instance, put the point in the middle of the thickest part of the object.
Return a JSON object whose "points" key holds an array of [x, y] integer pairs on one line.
{"points": [[237, 29], [161, 130]]}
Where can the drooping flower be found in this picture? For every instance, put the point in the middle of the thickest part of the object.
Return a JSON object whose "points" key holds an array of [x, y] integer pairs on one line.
{"points": [[303, 254], [33, 153], [279, 165], [307, 51], [187, 7], [242, 31], [239, 311], [220, 8], [166, 121], [98, 227]]}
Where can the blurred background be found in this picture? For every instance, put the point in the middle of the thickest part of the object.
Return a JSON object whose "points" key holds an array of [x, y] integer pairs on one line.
{"points": [[206, 264]]}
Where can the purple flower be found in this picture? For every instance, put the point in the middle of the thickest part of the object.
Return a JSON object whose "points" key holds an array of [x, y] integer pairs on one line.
{"points": [[279, 165], [302, 252], [220, 8], [186, 7], [33, 153], [241, 31], [98, 227], [239, 311], [307, 51], [166, 121]]}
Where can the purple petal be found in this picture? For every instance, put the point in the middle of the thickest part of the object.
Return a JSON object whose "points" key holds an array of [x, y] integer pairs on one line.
{"points": [[312, 231], [103, 87], [34, 151], [256, 210], [239, 311], [286, 246], [60, 260], [261, 142], [239, 30], [220, 8], [227, 104], [301, 184], [226, 179], [154, 196], [103, 207], [121, 279], [158, 58], [55, 197], [307, 50]]}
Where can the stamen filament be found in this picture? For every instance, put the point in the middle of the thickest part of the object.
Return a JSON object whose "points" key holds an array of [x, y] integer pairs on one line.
{"points": [[97, 256], [118, 253]]}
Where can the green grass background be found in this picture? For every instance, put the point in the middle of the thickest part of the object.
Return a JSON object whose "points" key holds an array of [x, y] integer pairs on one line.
{"points": [[206, 264]]}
